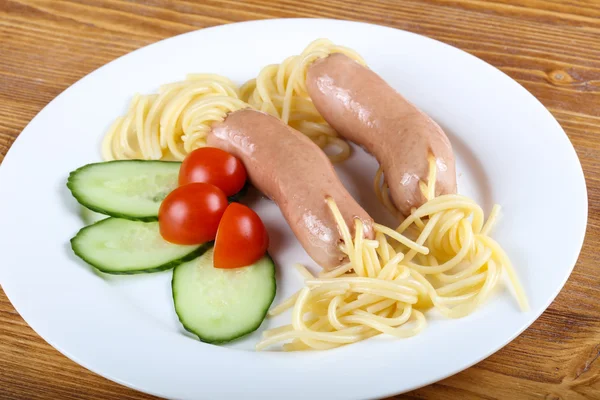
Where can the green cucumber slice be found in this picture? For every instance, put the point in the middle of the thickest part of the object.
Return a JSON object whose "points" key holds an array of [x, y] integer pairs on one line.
{"points": [[122, 247], [131, 189], [220, 305]]}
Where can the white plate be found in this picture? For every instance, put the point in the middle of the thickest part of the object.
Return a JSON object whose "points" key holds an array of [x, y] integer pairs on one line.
{"points": [[509, 149]]}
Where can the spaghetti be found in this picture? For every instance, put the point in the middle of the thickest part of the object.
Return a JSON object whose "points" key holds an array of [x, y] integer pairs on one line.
{"points": [[176, 120], [451, 264], [440, 257], [172, 123], [280, 90]]}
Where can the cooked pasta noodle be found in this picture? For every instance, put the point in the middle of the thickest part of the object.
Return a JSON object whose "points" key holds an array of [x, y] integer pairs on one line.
{"points": [[280, 90], [451, 265], [441, 256], [172, 123], [177, 120]]}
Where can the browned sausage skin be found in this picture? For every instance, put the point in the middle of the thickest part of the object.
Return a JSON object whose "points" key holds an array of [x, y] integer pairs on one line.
{"points": [[363, 108], [293, 171]]}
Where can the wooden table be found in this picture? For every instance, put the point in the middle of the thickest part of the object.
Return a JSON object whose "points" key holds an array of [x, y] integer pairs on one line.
{"points": [[552, 47]]}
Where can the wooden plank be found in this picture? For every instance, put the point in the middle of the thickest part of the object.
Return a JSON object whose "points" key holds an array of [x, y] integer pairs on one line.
{"points": [[551, 47]]}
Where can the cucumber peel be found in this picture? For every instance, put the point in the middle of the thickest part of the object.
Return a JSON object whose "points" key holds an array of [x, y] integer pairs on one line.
{"points": [[124, 247], [221, 305]]}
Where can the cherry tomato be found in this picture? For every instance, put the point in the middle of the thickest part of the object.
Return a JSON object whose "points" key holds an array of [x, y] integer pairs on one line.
{"points": [[212, 165], [190, 214], [241, 239]]}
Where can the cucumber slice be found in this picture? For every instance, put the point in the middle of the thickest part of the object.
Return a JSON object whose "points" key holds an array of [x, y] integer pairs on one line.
{"points": [[131, 189], [220, 305], [122, 247]]}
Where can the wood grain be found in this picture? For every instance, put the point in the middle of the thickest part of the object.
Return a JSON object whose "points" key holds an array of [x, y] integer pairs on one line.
{"points": [[552, 47]]}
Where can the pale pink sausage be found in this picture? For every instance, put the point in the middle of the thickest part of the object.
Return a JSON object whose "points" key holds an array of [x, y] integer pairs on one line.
{"points": [[363, 108], [293, 171]]}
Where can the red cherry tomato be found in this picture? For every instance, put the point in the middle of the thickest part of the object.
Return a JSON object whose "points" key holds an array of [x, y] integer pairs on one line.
{"points": [[241, 239], [190, 214], [212, 165]]}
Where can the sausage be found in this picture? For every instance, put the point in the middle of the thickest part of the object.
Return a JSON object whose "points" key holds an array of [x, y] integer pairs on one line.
{"points": [[297, 175], [364, 109]]}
